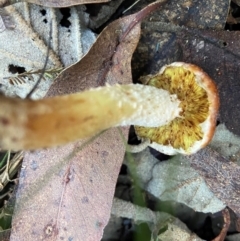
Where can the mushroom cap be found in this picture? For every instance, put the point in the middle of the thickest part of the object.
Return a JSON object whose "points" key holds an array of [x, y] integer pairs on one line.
{"points": [[195, 126]]}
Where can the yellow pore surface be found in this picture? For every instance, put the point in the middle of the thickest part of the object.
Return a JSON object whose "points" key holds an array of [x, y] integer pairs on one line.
{"points": [[183, 131]]}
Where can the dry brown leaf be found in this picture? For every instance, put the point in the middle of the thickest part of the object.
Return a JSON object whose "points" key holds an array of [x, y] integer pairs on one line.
{"points": [[53, 3], [66, 192]]}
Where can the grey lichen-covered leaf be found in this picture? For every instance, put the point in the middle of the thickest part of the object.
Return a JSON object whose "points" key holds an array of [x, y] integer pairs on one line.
{"points": [[176, 180], [66, 32], [39, 19], [176, 230], [69, 37], [67, 25], [24, 48], [226, 143]]}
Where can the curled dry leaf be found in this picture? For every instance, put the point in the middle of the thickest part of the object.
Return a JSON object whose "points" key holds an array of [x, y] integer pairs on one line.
{"points": [[76, 203]]}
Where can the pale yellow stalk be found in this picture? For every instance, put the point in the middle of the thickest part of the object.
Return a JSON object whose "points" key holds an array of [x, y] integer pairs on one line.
{"points": [[28, 124]]}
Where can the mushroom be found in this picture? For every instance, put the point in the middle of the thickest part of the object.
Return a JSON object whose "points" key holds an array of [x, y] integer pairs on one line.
{"points": [[195, 126], [159, 115]]}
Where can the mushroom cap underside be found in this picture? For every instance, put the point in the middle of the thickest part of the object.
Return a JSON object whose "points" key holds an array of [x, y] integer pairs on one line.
{"points": [[195, 126]]}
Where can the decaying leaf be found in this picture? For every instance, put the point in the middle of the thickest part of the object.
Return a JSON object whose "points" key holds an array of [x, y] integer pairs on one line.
{"points": [[78, 198], [68, 190], [220, 174], [226, 143], [174, 228], [26, 51], [178, 182], [66, 27], [101, 64]]}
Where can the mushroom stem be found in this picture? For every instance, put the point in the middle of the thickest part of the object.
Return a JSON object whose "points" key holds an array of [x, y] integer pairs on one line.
{"points": [[29, 124]]}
